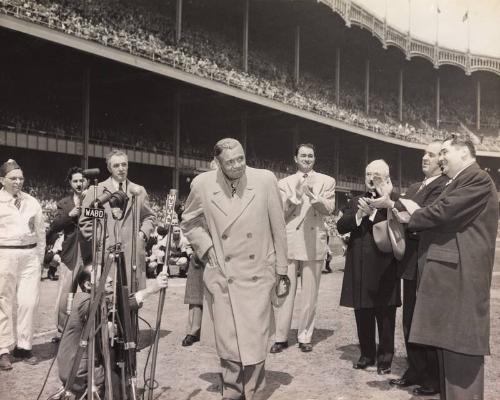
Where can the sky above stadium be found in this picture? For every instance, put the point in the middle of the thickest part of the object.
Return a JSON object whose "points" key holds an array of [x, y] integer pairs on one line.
{"points": [[451, 25]]}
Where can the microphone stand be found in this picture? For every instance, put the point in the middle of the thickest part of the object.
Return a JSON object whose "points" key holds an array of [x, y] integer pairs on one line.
{"points": [[133, 269], [168, 224], [91, 390]]}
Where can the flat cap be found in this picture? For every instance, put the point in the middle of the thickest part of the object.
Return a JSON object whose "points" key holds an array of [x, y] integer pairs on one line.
{"points": [[8, 166]]}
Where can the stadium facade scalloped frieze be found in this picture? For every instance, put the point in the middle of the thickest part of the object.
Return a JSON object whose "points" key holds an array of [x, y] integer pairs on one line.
{"points": [[354, 14]]}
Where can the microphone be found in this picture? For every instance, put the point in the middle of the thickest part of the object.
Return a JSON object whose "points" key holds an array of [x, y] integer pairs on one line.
{"points": [[91, 172], [104, 197]]}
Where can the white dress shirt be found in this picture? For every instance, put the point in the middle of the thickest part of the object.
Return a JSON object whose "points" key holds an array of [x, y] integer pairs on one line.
{"points": [[23, 226]]}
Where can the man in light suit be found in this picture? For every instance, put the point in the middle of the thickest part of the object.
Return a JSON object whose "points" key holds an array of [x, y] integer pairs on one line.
{"points": [[456, 255], [234, 221], [117, 162], [308, 197]]}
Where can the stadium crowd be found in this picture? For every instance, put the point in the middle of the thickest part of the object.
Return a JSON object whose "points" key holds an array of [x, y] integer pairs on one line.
{"points": [[139, 31]]}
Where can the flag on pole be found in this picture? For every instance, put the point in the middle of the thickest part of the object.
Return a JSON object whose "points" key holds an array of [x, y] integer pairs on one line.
{"points": [[466, 16]]}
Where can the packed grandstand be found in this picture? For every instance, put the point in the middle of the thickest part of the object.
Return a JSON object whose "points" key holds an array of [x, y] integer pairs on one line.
{"points": [[148, 31], [212, 50]]}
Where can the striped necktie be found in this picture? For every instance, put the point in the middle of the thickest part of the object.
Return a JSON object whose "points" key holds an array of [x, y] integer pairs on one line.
{"points": [[17, 201]]}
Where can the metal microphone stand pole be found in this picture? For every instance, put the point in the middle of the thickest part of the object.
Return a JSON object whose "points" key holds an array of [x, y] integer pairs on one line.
{"points": [[127, 332], [108, 383], [91, 341], [133, 269], [168, 224], [89, 327]]}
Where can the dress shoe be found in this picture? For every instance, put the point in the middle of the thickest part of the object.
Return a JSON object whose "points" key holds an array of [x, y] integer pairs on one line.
{"points": [[278, 347], [363, 363], [401, 382], [424, 391], [5, 363], [189, 340], [25, 355], [305, 347], [384, 368]]}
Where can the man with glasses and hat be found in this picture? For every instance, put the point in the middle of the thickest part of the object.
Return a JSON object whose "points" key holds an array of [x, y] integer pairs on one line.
{"points": [[22, 247]]}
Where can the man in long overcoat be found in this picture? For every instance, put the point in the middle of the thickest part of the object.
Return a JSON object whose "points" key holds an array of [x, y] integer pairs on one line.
{"points": [[456, 255], [117, 162], [371, 284], [234, 221], [422, 360]]}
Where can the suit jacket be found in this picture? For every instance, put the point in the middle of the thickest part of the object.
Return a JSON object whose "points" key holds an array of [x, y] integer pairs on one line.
{"points": [[370, 276], [424, 197], [458, 234], [69, 226], [305, 229], [145, 222], [248, 236]]}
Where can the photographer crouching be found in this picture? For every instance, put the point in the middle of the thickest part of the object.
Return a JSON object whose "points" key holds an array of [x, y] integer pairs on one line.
{"points": [[72, 336]]}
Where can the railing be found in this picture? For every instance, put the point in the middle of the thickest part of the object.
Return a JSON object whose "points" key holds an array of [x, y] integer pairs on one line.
{"points": [[352, 13]]}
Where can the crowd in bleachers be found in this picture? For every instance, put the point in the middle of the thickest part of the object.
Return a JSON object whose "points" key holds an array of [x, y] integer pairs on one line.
{"points": [[139, 31]]}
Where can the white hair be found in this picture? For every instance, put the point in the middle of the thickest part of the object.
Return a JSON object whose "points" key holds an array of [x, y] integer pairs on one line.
{"points": [[379, 166]]}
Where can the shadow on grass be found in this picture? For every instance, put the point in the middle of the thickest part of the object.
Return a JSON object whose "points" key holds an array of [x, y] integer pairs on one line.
{"points": [[215, 380], [45, 351], [274, 380], [146, 337], [48, 350], [318, 336]]}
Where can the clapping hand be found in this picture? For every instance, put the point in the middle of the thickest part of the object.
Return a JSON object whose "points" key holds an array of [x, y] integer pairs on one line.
{"points": [[75, 212], [299, 188], [308, 188], [383, 185], [381, 202], [117, 212], [363, 207]]}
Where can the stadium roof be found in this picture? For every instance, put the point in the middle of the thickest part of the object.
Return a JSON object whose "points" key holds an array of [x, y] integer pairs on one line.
{"points": [[455, 24]]}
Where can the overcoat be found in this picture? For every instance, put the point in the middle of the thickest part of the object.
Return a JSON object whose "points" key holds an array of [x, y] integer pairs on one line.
{"points": [[145, 222], [457, 247], [370, 276], [305, 226], [423, 197], [248, 236]]}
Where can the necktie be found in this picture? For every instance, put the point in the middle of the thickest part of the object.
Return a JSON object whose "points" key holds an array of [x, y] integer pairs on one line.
{"points": [[233, 189], [421, 186], [120, 186], [17, 202]]}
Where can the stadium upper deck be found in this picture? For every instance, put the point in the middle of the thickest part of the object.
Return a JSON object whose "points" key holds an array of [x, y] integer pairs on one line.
{"points": [[209, 51]]}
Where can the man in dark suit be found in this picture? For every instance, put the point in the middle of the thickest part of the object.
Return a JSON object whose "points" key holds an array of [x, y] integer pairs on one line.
{"points": [[371, 284], [422, 360], [74, 248], [456, 255]]}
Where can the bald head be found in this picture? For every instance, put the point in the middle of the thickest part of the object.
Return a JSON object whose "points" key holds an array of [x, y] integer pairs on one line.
{"points": [[375, 168]]}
